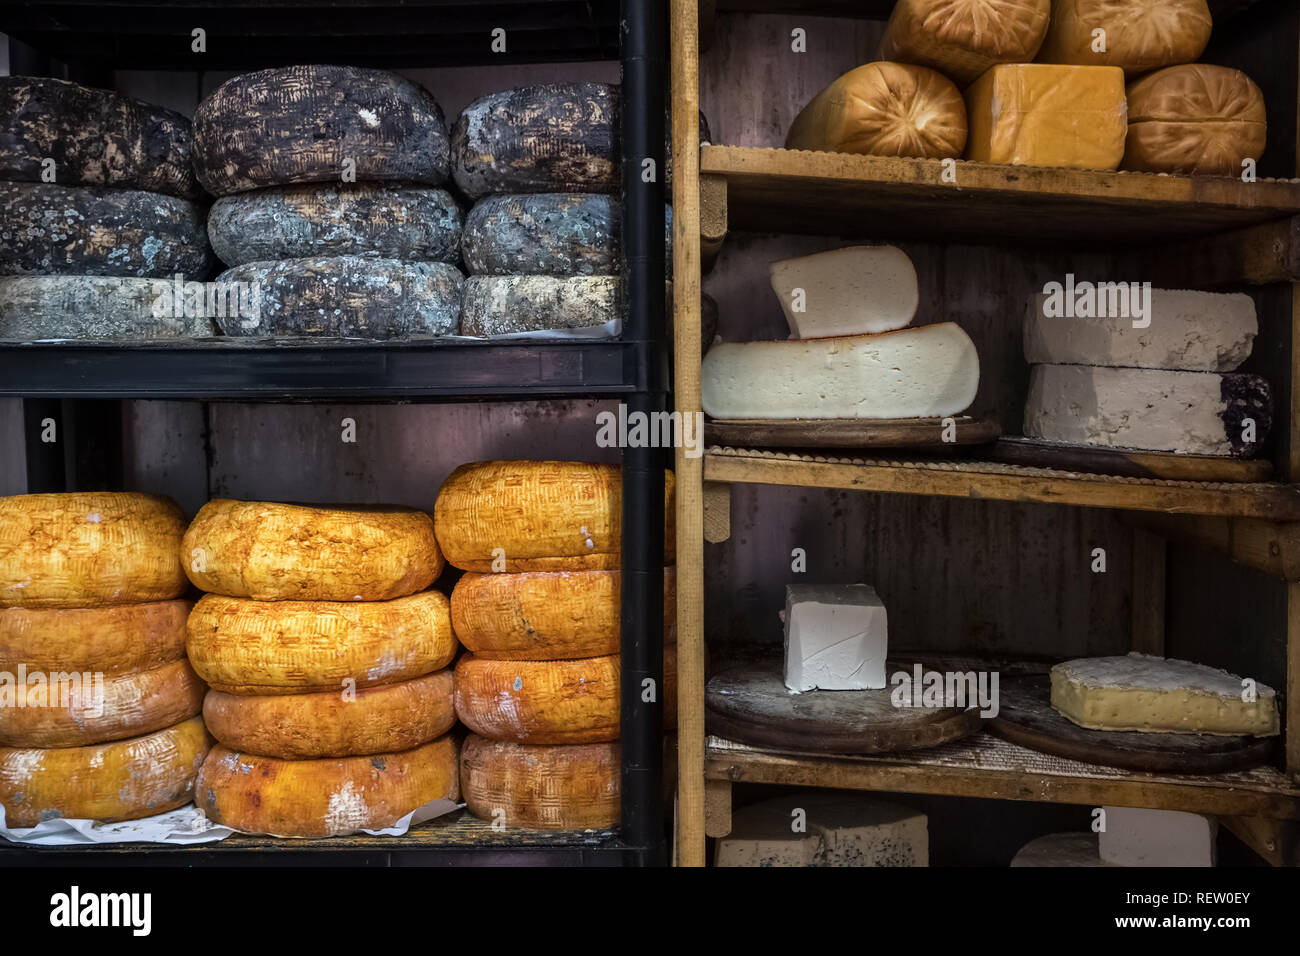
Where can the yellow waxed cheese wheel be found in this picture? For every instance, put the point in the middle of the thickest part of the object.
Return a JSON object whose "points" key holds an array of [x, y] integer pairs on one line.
{"points": [[963, 38], [537, 787], [89, 549], [300, 647], [328, 797], [269, 551], [384, 719], [113, 640]]}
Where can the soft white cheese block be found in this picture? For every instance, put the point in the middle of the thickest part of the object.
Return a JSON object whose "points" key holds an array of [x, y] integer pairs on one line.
{"points": [[1138, 837], [836, 636], [1060, 849], [1191, 331], [1159, 695], [838, 829], [913, 373], [851, 291], [1198, 413]]}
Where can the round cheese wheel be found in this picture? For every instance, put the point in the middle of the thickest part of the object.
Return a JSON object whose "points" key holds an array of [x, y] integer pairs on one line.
{"points": [[544, 788], [545, 615], [550, 702], [509, 305], [299, 647], [536, 516], [331, 724], [113, 640], [89, 549], [1138, 36], [276, 552], [73, 709], [311, 124], [885, 109], [123, 780], [1194, 119], [33, 308], [964, 38], [322, 798]]}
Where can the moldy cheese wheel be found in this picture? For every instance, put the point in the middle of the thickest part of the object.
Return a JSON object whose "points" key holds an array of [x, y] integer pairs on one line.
{"points": [[545, 788], [89, 549], [113, 640], [277, 552], [544, 515], [298, 647], [545, 615], [382, 719], [1139, 36], [322, 798], [123, 780]]}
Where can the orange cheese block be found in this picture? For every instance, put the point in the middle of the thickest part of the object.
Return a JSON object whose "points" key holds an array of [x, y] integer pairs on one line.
{"points": [[279, 552], [89, 549], [963, 38], [1135, 36], [545, 615], [545, 788], [74, 709], [322, 798], [300, 647], [536, 516], [112, 640], [549, 702], [123, 780], [331, 724]]}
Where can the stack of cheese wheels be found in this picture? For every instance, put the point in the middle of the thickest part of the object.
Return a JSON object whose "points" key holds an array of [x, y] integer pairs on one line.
{"points": [[331, 696], [539, 612], [98, 706], [329, 203], [100, 203]]}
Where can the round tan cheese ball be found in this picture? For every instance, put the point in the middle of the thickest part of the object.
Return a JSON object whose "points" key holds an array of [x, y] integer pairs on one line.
{"points": [[1140, 35]]}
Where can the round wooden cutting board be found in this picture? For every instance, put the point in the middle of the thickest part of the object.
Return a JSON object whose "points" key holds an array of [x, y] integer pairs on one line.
{"points": [[1126, 463], [1026, 717], [848, 432], [751, 705]]}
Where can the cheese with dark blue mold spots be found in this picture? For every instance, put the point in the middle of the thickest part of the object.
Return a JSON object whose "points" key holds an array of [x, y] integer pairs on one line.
{"points": [[509, 305], [107, 308]]}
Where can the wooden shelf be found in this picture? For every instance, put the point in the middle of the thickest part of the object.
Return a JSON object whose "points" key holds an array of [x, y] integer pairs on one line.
{"points": [[991, 481]]}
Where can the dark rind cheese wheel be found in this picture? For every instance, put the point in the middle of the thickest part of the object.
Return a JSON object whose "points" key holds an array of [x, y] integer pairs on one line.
{"points": [[299, 124], [408, 223], [349, 297], [508, 305], [47, 229], [573, 787], [95, 137], [94, 307]]}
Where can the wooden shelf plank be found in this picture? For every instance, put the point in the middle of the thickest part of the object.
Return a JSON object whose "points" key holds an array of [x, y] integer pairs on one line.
{"points": [[987, 480]]}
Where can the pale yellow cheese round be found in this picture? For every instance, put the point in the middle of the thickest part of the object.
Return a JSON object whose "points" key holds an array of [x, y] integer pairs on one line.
{"points": [[120, 639], [537, 787]]}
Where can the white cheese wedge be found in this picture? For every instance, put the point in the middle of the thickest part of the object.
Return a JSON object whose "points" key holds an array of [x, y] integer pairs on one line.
{"points": [[1060, 849], [913, 373], [812, 828], [852, 291], [1139, 837], [836, 636], [1192, 331], [1159, 695], [1199, 413]]}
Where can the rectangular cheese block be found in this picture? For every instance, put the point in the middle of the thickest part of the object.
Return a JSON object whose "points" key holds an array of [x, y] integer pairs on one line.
{"points": [[912, 373], [1182, 329], [1195, 413], [836, 637], [851, 291], [1033, 114], [1135, 836], [963, 38], [1159, 695]]}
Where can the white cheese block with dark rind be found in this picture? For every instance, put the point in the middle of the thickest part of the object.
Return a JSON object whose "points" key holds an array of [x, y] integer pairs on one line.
{"points": [[1195, 413], [407, 223], [47, 229], [95, 137], [299, 124], [560, 234], [349, 297], [33, 308], [508, 305]]}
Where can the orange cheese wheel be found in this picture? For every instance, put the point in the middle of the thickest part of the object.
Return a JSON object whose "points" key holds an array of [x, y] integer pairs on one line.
{"points": [[73, 709], [89, 549], [322, 798], [300, 647], [549, 702], [123, 780], [536, 516], [544, 788], [280, 552], [112, 640], [546, 615], [330, 724]]}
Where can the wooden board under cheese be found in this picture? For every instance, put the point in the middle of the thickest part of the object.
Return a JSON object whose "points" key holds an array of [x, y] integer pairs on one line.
{"points": [[573, 787], [1137, 37], [963, 38], [101, 308]]}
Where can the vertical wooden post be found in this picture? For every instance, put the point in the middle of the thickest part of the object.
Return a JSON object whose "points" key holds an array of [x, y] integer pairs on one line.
{"points": [[1148, 635]]}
